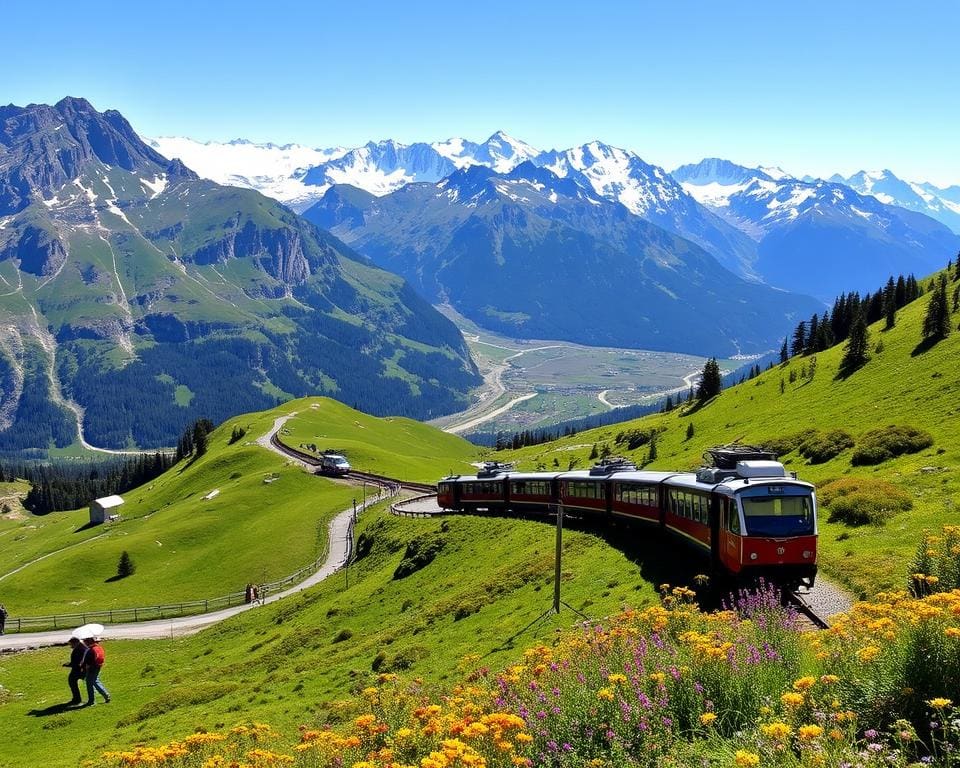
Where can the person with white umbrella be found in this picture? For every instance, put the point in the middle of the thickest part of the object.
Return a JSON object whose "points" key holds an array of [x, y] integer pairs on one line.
{"points": [[92, 661]]}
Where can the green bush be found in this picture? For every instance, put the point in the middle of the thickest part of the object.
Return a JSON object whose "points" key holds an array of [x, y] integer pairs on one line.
{"points": [[885, 443], [862, 501], [823, 446], [784, 444], [420, 553]]}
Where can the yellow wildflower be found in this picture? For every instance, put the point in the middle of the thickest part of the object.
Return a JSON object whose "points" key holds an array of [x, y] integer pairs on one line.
{"points": [[809, 732]]}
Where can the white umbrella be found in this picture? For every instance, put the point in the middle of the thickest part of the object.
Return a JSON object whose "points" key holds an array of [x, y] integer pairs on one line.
{"points": [[87, 630]]}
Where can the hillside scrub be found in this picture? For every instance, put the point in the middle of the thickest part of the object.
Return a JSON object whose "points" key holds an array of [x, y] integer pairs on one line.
{"points": [[665, 686], [862, 501], [823, 446], [879, 445]]}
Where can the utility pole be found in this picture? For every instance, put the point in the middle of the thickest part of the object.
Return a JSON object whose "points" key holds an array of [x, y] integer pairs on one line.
{"points": [[556, 564]]}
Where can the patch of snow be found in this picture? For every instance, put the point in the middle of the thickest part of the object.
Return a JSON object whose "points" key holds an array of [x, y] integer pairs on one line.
{"points": [[156, 186], [714, 193]]}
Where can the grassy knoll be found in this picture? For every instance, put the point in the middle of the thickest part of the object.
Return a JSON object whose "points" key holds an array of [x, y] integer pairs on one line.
{"points": [[392, 446], [899, 385], [290, 662], [252, 530]]}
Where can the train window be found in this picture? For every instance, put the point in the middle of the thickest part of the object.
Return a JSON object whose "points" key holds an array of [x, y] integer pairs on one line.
{"points": [[778, 515]]}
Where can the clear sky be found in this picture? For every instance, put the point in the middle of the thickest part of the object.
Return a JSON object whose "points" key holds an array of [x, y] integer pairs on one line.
{"points": [[815, 87]]}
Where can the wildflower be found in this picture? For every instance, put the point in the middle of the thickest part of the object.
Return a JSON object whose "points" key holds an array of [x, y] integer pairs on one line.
{"points": [[940, 703], [809, 732], [829, 679], [869, 653], [791, 699], [777, 731], [804, 683], [605, 694], [745, 759], [707, 718]]}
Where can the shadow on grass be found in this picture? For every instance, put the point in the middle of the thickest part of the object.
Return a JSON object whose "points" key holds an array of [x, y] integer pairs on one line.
{"points": [[54, 709], [926, 345]]}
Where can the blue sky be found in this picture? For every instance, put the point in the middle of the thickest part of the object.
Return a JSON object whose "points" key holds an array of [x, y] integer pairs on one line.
{"points": [[812, 86]]}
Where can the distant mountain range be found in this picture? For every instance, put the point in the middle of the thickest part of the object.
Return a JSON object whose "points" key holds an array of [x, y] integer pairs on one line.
{"points": [[784, 231], [531, 254], [818, 236], [136, 296]]}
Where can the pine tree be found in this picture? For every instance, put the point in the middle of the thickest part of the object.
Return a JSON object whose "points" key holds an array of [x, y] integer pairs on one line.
{"points": [[890, 304], [784, 352], [812, 334], [711, 381], [936, 323], [799, 339], [125, 566], [690, 430], [957, 275], [855, 351]]}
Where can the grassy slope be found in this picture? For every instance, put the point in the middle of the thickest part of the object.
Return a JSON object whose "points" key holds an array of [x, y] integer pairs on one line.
{"points": [[171, 532], [391, 446], [895, 387], [283, 664]]}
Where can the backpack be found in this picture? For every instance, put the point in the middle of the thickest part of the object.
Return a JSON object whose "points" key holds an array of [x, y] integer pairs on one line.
{"points": [[98, 656]]}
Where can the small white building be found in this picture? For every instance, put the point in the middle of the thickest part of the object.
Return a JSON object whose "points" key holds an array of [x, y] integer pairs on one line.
{"points": [[102, 509]]}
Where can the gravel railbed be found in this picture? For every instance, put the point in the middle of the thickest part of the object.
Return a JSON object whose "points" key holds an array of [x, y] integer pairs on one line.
{"points": [[828, 598]]}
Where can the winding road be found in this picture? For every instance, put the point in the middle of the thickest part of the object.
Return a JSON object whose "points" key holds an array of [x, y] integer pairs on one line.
{"points": [[340, 548]]}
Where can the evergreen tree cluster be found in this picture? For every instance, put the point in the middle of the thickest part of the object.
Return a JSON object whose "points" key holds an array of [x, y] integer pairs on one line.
{"points": [[532, 437], [193, 441], [936, 323], [821, 332], [55, 488]]}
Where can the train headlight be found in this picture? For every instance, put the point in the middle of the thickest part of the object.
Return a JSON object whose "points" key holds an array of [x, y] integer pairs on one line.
{"points": [[807, 554], [753, 555]]}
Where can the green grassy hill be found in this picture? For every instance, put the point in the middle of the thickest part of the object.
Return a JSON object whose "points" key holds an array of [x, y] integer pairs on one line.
{"points": [[291, 662], [900, 385], [394, 447], [253, 530]]}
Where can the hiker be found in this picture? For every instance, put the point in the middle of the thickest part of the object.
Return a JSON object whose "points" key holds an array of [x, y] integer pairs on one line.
{"points": [[256, 595], [248, 594], [92, 664], [3, 617], [77, 651]]}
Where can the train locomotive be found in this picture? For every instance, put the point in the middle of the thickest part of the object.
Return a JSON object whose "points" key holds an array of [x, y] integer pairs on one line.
{"points": [[744, 511]]}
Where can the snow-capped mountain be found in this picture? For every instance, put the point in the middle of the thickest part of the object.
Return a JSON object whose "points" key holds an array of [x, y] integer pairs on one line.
{"points": [[500, 152], [530, 253], [818, 236], [940, 204], [298, 176], [380, 167], [276, 171]]}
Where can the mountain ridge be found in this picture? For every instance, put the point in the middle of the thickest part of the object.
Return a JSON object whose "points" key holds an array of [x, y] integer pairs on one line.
{"points": [[129, 281]]}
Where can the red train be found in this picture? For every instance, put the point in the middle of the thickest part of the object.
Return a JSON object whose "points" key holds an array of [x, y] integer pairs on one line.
{"points": [[746, 513]]}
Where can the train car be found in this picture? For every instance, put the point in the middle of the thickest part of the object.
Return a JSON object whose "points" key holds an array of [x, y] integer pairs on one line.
{"points": [[484, 492], [532, 492], [746, 513]]}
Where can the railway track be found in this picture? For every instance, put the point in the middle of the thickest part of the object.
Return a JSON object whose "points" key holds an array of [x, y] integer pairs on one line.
{"points": [[804, 609], [354, 475]]}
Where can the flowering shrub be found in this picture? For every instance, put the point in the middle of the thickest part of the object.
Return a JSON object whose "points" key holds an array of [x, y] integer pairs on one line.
{"points": [[936, 566], [665, 686]]}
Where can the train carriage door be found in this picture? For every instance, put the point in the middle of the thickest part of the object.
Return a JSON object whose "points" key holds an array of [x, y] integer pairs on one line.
{"points": [[715, 523]]}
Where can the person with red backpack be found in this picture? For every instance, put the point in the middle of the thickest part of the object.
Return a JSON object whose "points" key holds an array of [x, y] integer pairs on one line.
{"points": [[92, 664]]}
